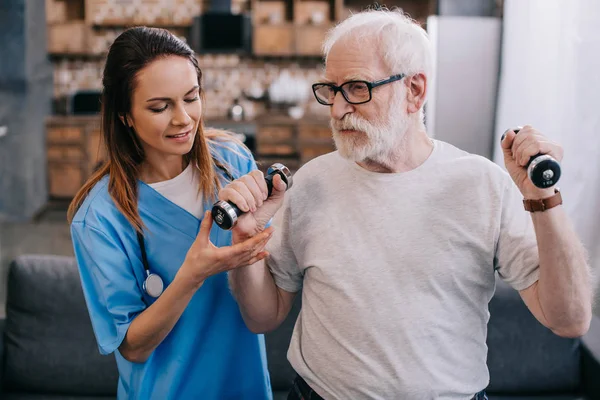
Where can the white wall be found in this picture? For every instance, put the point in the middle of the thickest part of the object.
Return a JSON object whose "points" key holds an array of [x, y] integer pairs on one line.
{"points": [[462, 99]]}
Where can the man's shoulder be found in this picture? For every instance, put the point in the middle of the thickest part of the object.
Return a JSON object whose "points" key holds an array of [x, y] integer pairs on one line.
{"points": [[451, 156], [315, 175], [318, 165]]}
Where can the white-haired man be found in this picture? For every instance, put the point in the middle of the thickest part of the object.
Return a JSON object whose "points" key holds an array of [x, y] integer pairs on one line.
{"points": [[395, 238]]}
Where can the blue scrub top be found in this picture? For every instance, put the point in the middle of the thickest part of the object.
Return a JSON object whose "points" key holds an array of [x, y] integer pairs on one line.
{"points": [[209, 354]]}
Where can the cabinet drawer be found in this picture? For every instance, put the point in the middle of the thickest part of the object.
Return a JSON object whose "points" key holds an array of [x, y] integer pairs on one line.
{"points": [[269, 12], [275, 149], [309, 133], [270, 134], [68, 38], [64, 134], [64, 153], [307, 153], [110, 12], [273, 39], [309, 39], [311, 12], [96, 151], [65, 179]]}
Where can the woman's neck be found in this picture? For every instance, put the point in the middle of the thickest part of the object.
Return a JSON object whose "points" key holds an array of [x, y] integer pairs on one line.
{"points": [[155, 170]]}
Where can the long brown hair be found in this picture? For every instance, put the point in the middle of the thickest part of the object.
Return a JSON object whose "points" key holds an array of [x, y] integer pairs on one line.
{"points": [[131, 51]]}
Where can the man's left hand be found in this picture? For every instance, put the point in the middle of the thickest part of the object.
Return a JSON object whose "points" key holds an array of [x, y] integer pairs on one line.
{"points": [[518, 149]]}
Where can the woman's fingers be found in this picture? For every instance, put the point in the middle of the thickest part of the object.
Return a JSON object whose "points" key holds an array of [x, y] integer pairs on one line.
{"points": [[239, 253]]}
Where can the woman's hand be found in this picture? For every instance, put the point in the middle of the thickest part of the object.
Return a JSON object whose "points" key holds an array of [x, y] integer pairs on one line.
{"points": [[204, 259]]}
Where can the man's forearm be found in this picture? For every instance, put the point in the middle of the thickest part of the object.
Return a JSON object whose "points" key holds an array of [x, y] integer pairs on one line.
{"points": [[564, 288], [257, 295]]}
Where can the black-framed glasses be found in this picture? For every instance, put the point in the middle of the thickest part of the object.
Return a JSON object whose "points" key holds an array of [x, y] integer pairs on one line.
{"points": [[355, 92]]}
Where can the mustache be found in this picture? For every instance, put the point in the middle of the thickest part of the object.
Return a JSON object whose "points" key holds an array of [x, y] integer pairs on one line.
{"points": [[349, 122]]}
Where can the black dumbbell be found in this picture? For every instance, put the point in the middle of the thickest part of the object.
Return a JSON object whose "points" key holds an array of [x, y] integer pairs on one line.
{"points": [[226, 214], [542, 169]]}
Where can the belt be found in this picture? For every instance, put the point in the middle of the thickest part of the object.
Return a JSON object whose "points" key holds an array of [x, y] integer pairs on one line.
{"points": [[305, 392]]}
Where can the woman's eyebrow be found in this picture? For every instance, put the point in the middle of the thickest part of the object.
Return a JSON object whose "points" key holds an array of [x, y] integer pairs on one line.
{"points": [[167, 99]]}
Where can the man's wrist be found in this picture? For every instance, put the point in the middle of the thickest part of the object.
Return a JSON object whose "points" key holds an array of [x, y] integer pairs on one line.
{"points": [[539, 194], [544, 203]]}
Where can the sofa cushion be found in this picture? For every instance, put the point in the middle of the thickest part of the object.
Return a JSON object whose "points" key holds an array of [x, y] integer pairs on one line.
{"points": [[544, 397], [280, 395], [524, 357], [49, 343]]}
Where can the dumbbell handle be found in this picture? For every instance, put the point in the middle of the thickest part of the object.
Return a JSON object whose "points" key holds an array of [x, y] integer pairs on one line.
{"points": [[225, 213], [233, 209], [542, 169]]}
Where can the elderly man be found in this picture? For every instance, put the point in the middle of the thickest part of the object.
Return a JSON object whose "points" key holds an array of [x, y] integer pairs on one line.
{"points": [[395, 238]]}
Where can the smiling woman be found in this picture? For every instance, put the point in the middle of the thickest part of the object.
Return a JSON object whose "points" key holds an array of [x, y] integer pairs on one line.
{"points": [[153, 271]]}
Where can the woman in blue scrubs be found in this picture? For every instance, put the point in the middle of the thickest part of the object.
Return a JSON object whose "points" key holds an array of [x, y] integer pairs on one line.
{"points": [[152, 265]]}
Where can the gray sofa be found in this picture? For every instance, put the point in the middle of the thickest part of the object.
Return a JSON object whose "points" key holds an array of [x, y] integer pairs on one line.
{"points": [[48, 349]]}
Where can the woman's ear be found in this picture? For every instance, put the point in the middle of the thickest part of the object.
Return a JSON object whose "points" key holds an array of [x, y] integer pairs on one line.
{"points": [[125, 120]]}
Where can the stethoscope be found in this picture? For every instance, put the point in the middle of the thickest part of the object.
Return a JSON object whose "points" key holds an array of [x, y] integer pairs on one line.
{"points": [[153, 284]]}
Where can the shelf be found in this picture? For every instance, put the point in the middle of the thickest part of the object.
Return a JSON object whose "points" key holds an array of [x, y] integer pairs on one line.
{"points": [[302, 59], [70, 120], [264, 120], [132, 24], [76, 56]]}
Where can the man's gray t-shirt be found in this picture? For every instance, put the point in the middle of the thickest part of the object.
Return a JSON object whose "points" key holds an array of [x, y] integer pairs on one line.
{"points": [[397, 271]]}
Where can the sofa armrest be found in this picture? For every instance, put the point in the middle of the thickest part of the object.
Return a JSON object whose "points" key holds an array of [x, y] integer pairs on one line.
{"points": [[591, 360]]}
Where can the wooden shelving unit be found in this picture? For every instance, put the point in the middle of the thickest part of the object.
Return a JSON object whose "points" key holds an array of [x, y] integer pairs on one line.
{"points": [[74, 150], [292, 27], [284, 32]]}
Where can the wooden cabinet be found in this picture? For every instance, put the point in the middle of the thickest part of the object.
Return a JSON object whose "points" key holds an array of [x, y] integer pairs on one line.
{"points": [[60, 11], [309, 151], [69, 38], [292, 27], [308, 40], [141, 12], [314, 133], [64, 179], [308, 12], [314, 141], [274, 40], [73, 151], [269, 12], [275, 133], [295, 141]]}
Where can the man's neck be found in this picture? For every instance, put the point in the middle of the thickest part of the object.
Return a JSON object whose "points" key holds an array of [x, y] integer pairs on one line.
{"points": [[414, 149]]}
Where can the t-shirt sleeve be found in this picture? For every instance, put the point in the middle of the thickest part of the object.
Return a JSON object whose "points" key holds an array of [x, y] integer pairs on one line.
{"points": [[282, 261], [517, 257], [112, 293]]}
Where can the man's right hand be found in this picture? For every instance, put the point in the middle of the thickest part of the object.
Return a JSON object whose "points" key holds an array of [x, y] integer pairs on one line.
{"points": [[249, 193]]}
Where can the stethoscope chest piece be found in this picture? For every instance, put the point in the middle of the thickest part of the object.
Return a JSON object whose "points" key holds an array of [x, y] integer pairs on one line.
{"points": [[153, 285]]}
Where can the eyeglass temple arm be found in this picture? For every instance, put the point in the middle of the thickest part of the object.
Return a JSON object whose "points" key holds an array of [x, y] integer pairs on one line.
{"points": [[392, 78]]}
